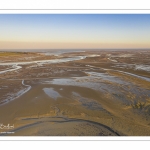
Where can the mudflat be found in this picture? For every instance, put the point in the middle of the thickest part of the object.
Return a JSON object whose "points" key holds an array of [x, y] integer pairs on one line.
{"points": [[82, 93]]}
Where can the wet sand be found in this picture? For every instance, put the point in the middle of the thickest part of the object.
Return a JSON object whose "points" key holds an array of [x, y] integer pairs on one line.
{"points": [[93, 93]]}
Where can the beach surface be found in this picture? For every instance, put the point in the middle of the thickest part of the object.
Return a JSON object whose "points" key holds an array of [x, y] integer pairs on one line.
{"points": [[76, 93]]}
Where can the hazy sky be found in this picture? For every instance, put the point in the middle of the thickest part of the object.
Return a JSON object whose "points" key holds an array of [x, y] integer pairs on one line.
{"points": [[74, 31]]}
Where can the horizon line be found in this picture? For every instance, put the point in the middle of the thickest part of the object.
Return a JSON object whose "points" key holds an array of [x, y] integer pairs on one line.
{"points": [[76, 49]]}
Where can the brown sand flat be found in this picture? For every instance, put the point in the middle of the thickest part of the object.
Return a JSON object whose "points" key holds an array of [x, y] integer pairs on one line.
{"points": [[93, 96]]}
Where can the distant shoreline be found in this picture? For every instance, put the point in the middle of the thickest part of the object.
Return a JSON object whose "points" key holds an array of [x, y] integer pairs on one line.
{"points": [[71, 50]]}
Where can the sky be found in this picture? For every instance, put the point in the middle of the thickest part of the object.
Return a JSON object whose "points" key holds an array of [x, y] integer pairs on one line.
{"points": [[74, 31]]}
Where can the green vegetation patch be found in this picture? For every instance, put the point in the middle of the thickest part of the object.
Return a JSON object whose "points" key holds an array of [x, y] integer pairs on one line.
{"points": [[11, 53]]}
